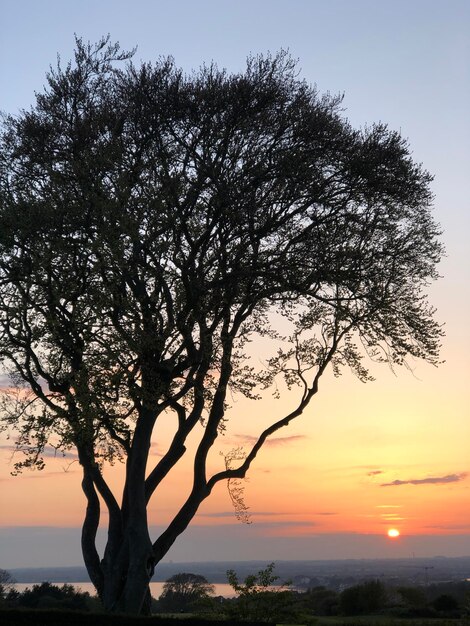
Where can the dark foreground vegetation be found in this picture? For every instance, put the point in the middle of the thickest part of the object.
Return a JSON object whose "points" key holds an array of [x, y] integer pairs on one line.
{"points": [[78, 618], [190, 598], [69, 618]]}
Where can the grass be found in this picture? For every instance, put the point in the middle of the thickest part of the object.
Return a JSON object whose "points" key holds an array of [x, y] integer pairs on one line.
{"points": [[63, 618], [384, 620]]}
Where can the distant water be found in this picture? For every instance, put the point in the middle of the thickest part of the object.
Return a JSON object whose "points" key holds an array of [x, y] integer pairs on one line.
{"points": [[156, 588]]}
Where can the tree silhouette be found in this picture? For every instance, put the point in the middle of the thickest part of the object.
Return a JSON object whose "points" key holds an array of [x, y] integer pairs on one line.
{"points": [[182, 592], [7, 583], [368, 597], [260, 597], [152, 225]]}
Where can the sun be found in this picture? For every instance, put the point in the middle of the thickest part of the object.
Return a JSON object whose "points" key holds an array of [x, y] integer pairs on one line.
{"points": [[393, 533]]}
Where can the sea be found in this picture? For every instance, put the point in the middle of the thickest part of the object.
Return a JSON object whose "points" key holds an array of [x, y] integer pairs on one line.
{"points": [[156, 588]]}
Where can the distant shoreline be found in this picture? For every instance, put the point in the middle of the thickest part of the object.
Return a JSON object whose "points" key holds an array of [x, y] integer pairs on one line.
{"points": [[156, 587], [310, 571]]}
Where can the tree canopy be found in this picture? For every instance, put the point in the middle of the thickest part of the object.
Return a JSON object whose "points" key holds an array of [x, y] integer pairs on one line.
{"points": [[152, 224], [184, 592]]}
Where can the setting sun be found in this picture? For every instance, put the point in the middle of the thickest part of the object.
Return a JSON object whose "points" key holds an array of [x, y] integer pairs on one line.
{"points": [[393, 532]]}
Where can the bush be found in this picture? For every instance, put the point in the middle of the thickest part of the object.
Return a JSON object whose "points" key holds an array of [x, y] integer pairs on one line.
{"points": [[368, 597], [258, 600], [414, 597], [48, 596], [446, 603], [321, 601], [31, 617]]}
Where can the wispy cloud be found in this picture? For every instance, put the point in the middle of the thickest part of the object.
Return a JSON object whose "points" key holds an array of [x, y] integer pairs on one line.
{"points": [[261, 514], [261, 526], [449, 526], [4, 381], [49, 452], [232, 513], [155, 450], [389, 506], [217, 514], [270, 442], [432, 480], [46, 474], [374, 473], [287, 524]]}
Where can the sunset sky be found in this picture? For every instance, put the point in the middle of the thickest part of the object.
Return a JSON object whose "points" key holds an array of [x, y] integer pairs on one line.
{"points": [[394, 453]]}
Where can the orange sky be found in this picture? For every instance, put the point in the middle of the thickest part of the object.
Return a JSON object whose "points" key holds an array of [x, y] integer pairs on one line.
{"points": [[362, 458]]}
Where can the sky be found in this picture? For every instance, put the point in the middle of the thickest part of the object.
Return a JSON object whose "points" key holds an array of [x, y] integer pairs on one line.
{"points": [[363, 458]]}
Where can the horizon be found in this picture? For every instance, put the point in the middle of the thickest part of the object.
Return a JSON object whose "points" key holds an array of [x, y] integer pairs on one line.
{"points": [[302, 572], [54, 547], [259, 562], [363, 459]]}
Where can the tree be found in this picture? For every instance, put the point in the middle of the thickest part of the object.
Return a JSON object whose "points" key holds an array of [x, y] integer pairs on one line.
{"points": [[152, 225], [257, 599], [446, 603], [182, 592], [368, 597], [47, 596], [414, 597], [321, 601], [7, 583]]}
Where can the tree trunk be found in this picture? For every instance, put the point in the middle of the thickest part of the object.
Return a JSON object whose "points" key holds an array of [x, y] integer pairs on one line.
{"points": [[127, 568], [126, 582]]}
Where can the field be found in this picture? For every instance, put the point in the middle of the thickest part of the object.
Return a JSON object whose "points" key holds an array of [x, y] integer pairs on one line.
{"points": [[66, 618], [376, 620]]}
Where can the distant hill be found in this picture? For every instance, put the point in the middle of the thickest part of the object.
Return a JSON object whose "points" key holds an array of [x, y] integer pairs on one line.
{"points": [[50, 574], [336, 573]]}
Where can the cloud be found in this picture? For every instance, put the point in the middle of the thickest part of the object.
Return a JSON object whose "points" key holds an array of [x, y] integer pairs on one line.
{"points": [[41, 474], [232, 513], [389, 506], [449, 526], [52, 453], [4, 381], [433, 480], [260, 526], [68, 461], [49, 452], [217, 514], [287, 524], [262, 514], [155, 450], [270, 442], [374, 473]]}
